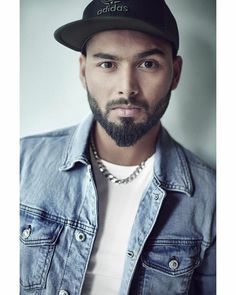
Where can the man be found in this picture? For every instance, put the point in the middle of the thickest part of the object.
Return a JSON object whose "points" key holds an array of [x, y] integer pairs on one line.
{"points": [[115, 205]]}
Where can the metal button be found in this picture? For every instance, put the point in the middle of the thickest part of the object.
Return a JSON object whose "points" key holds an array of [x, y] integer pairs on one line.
{"points": [[26, 233], [156, 197], [173, 264], [63, 292], [131, 254], [79, 236]]}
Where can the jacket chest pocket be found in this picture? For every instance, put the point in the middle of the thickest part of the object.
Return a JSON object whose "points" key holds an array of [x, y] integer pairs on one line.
{"points": [[167, 267], [38, 238]]}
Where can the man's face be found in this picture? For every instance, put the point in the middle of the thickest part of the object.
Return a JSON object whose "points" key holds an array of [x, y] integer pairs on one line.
{"points": [[129, 77]]}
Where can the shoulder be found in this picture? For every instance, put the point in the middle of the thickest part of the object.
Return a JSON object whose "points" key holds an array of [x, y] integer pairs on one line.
{"points": [[197, 164], [203, 175], [42, 145], [47, 137], [187, 167], [187, 157], [55, 134]]}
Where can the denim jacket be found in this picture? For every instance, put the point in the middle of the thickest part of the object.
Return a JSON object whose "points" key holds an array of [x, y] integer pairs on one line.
{"points": [[171, 249]]}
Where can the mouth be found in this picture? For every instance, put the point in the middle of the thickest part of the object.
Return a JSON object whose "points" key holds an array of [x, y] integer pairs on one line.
{"points": [[124, 110]]}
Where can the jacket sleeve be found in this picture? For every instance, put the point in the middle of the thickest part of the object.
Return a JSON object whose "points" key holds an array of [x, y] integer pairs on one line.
{"points": [[204, 277]]}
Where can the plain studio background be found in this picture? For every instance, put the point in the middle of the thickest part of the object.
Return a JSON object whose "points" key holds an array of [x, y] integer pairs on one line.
{"points": [[51, 93]]}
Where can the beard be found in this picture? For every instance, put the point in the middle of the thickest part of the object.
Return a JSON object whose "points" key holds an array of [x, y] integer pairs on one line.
{"points": [[127, 132]]}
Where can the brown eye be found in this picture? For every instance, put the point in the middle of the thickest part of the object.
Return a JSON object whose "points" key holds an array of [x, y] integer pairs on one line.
{"points": [[106, 65], [149, 64]]}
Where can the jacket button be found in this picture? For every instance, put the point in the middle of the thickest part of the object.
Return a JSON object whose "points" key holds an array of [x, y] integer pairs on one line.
{"points": [[156, 197], [79, 236], [173, 264], [130, 254], [63, 292], [26, 233]]}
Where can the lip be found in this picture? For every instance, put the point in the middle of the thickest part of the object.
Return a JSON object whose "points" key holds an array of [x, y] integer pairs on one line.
{"points": [[127, 110], [126, 107]]}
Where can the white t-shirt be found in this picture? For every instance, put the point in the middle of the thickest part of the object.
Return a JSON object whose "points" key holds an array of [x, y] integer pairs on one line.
{"points": [[118, 204]]}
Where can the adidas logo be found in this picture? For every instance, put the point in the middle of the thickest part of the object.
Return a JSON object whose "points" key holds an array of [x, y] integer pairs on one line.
{"points": [[112, 6]]}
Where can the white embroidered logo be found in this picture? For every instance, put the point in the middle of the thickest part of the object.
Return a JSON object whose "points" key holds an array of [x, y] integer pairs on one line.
{"points": [[110, 2], [112, 6]]}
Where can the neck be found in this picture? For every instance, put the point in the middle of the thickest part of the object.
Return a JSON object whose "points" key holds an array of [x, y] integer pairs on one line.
{"points": [[109, 151]]}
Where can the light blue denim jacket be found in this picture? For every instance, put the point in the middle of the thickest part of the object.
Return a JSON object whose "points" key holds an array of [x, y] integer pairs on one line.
{"points": [[171, 249]]}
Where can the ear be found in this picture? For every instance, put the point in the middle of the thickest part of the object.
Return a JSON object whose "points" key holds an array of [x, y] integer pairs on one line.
{"points": [[177, 66], [82, 62]]}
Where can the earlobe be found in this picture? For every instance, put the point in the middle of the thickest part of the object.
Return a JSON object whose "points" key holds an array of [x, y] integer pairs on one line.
{"points": [[82, 62], [177, 66]]}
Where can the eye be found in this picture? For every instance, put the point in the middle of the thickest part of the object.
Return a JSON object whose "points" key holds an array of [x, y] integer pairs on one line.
{"points": [[107, 65], [149, 64]]}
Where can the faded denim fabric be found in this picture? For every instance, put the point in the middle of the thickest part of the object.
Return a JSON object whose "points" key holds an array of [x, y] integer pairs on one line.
{"points": [[171, 249]]}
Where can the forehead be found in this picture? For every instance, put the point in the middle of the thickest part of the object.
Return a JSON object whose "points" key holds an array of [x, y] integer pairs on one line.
{"points": [[111, 41]]}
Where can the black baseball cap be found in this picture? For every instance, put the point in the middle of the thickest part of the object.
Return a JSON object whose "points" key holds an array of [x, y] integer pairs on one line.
{"points": [[148, 16]]}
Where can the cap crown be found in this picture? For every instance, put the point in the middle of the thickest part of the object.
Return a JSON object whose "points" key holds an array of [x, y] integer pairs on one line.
{"points": [[148, 16]]}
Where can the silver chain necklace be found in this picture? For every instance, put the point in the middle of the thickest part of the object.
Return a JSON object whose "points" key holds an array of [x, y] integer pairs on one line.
{"points": [[111, 177]]}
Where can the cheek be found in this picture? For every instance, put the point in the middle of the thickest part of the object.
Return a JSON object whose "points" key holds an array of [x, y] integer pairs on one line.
{"points": [[157, 87], [98, 86]]}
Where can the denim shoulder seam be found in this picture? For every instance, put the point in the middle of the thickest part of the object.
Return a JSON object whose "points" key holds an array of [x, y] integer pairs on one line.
{"points": [[197, 162], [202, 166], [55, 133]]}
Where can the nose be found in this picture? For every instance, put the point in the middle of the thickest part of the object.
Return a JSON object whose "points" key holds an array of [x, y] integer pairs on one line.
{"points": [[128, 83]]}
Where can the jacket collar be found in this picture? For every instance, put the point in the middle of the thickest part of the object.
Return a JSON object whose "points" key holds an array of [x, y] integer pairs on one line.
{"points": [[76, 151], [171, 168]]}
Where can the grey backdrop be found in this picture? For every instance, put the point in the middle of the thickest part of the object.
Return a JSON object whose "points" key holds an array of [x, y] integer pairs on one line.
{"points": [[52, 96]]}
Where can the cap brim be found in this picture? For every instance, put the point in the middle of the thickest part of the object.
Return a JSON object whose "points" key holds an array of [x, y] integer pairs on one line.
{"points": [[75, 34]]}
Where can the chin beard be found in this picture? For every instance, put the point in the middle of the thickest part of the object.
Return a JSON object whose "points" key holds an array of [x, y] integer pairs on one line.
{"points": [[127, 132]]}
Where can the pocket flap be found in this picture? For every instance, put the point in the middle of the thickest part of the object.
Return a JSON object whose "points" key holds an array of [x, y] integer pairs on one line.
{"points": [[36, 230], [172, 258]]}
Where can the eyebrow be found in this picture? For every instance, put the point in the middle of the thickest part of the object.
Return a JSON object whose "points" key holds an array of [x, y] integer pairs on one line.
{"points": [[106, 56], [138, 56], [150, 52]]}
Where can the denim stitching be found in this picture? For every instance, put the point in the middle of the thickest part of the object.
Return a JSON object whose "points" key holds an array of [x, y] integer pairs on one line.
{"points": [[68, 254], [50, 217], [39, 285]]}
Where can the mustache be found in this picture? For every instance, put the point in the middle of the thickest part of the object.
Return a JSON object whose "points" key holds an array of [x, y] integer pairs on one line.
{"points": [[126, 101]]}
